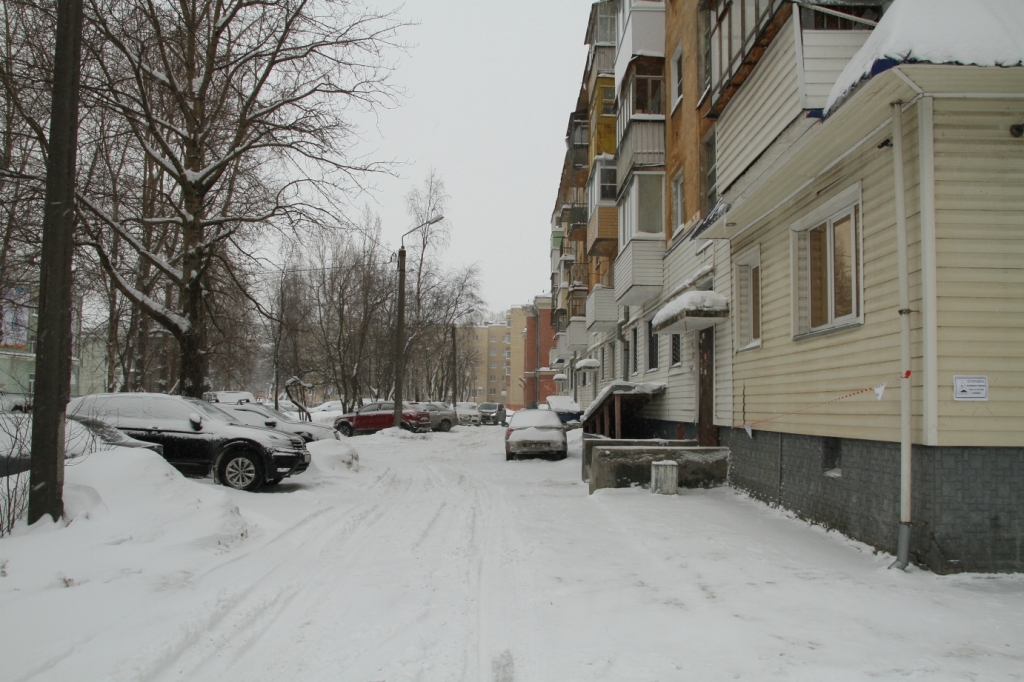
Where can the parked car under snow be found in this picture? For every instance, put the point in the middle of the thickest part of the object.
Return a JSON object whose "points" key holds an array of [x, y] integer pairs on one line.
{"points": [[82, 436], [197, 437], [468, 413], [252, 414], [535, 432]]}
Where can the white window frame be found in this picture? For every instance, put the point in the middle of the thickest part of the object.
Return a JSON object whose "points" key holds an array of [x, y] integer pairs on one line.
{"points": [[676, 71], [678, 204], [744, 318], [629, 211], [846, 202]]}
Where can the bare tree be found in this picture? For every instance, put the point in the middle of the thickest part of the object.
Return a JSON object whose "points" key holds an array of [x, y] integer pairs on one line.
{"points": [[223, 100]]}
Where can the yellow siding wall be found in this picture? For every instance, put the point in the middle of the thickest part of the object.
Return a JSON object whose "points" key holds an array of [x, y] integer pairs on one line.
{"points": [[979, 201], [787, 375]]}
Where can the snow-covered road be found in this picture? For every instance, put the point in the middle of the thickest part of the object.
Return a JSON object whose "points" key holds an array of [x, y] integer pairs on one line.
{"points": [[438, 560]]}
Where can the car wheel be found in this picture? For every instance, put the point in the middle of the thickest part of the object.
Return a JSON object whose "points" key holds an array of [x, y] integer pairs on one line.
{"points": [[444, 426], [273, 481], [345, 429], [241, 470], [509, 456]]}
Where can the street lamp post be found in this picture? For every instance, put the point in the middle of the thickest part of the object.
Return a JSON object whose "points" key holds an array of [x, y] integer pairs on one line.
{"points": [[400, 332]]}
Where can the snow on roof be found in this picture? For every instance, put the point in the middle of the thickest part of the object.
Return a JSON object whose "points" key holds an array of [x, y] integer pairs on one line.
{"points": [[588, 363], [625, 388], [559, 377], [979, 33], [563, 403], [691, 300]]}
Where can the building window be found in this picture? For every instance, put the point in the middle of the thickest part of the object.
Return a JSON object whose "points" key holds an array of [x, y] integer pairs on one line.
{"points": [[606, 22], [494, 339], [710, 159], [583, 379], [653, 347], [494, 351], [827, 252], [507, 338], [492, 391], [642, 208], [748, 298], [493, 378], [732, 29], [647, 96], [493, 365], [678, 205], [634, 358], [625, 357], [811, 20], [608, 183], [602, 363], [705, 61], [607, 100], [508, 371], [677, 355], [677, 76]]}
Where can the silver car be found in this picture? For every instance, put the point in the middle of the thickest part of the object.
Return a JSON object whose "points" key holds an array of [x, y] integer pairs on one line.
{"points": [[536, 432], [492, 413], [442, 417]]}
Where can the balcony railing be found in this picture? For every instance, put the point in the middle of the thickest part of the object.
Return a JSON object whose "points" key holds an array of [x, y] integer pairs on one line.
{"points": [[568, 251], [643, 144], [574, 216]]}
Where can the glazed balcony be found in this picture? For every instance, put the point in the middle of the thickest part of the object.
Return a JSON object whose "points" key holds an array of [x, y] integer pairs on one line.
{"points": [[602, 311]]}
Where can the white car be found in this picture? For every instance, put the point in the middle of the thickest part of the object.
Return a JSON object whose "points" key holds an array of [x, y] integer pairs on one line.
{"points": [[229, 397], [468, 413], [329, 406], [536, 432]]}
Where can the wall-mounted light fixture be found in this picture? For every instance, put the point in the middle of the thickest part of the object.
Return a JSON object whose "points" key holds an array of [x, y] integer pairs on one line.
{"points": [[1017, 130]]}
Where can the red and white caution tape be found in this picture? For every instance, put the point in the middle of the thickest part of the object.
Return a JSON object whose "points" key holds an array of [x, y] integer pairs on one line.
{"points": [[879, 392]]}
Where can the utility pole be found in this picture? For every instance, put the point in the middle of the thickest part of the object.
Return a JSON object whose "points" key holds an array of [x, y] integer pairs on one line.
{"points": [[400, 331], [53, 334], [455, 369]]}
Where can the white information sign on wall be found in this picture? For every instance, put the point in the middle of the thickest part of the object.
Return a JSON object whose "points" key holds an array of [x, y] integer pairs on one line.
{"points": [[970, 388]]}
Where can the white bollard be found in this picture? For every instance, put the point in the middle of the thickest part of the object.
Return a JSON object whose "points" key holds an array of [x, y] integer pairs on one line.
{"points": [[665, 477]]}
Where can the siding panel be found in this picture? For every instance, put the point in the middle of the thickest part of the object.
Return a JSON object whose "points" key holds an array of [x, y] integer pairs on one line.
{"points": [[768, 101]]}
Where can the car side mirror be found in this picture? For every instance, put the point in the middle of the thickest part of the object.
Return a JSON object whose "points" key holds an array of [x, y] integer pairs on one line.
{"points": [[196, 421], [270, 422]]}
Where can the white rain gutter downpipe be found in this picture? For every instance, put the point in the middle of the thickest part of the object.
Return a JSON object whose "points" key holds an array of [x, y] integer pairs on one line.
{"points": [[906, 445]]}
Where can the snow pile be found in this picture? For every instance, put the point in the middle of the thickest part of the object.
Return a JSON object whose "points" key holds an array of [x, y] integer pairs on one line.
{"points": [[588, 363], [326, 417], [691, 300], [979, 33], [127, 512], [559, 377], [563, 403], [624, 388], [332, 456]]}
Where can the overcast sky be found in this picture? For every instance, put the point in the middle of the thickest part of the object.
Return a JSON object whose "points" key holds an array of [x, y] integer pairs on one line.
{"points": [[490, 86]]}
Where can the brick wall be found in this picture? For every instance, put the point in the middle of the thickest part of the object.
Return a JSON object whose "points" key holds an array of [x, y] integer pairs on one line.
{"points": [[970, 500]]}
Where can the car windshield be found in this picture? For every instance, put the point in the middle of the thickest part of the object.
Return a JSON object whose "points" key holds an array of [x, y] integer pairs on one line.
{"points": [[525, 419], [206, 409], [488, 406], [276, 414]]}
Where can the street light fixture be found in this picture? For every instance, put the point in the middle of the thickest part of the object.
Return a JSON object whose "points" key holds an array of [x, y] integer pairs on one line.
{"points": [[400, 332]]}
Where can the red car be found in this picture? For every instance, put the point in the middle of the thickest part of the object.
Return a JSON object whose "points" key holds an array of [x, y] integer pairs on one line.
{"points": [[378, 416]]}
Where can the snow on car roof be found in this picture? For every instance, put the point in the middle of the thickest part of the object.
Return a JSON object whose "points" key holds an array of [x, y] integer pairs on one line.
{"points": [[529, 418]]}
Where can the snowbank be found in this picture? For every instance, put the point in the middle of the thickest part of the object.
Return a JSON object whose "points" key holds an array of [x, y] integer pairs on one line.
{"points": [[125, 507], [332, 456], [979, 33], [691, 300]]}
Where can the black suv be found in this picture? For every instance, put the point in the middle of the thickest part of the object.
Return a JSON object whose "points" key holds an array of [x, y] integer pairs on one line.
{"points": [[492, 413], [197, 437]]}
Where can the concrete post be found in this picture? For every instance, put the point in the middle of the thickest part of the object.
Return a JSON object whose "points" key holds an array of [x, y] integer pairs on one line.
{"points": [[665, 477]]}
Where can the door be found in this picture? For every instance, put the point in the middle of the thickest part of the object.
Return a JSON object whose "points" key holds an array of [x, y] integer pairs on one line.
{"points": [[707, 433], [363, 421]]}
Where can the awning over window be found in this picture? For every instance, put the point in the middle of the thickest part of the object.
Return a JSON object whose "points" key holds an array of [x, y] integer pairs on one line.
{"points": [[691, 311]]}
